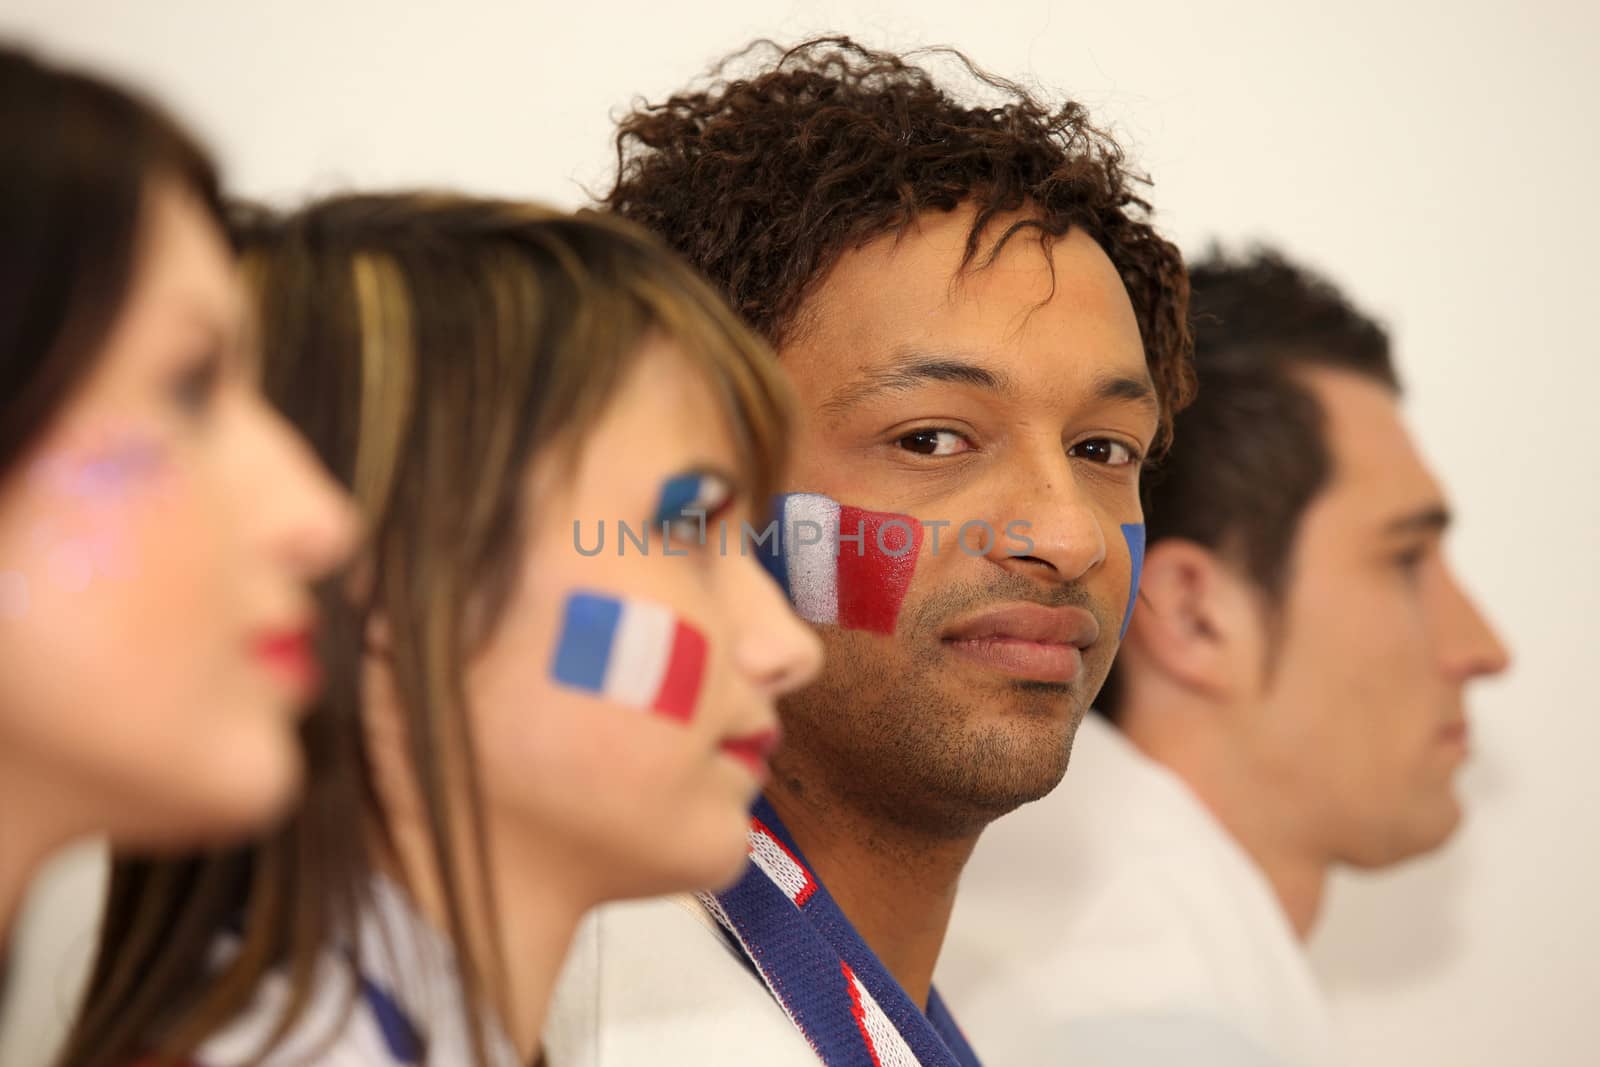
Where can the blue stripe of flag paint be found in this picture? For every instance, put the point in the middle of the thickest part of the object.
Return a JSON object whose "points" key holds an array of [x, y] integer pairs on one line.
{"points": [[1133, 533], [771, 553], [677, 494], [587, 632]]}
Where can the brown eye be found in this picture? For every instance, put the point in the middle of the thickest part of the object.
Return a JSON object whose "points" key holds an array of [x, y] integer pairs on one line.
{"points": [[1104, 450], [934, 443]]}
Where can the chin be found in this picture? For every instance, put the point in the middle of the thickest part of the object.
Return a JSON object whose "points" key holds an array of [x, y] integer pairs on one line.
{"points": [[1019, 762], [699, 855], [1427, 829], [729, 868], [724, 854], [244, 790], [1442, 827]]}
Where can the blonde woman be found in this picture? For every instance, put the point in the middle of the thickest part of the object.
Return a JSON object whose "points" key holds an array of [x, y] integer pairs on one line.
{"points": [[531, 710], [159, 523]]}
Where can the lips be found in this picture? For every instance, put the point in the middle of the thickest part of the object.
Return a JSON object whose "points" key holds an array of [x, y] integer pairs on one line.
{"points": [[1027, 641], [290, 656], [754, 751]]}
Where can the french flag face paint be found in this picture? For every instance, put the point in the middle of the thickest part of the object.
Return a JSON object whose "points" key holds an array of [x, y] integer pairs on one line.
{"points": [[1133, 533], [632, 652], [690, 494], [841, 565]]}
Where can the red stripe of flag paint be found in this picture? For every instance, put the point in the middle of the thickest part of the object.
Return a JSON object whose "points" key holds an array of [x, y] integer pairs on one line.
{"points": [[873, 585], [842, 565], [680, 686]]}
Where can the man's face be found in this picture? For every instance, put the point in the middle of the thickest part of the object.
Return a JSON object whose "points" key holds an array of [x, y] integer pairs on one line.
{"points": [[995, 396], [1361, 723]]}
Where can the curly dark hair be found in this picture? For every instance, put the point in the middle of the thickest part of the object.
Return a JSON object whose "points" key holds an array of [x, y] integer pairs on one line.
{"points": [[764, 181]]}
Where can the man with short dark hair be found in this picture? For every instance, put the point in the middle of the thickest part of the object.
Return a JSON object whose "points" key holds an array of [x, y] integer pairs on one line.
{"points": [[1289, 698], [987, 339]]}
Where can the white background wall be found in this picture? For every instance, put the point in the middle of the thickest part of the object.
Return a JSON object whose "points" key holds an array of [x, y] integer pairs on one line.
{"points": [[1440, 159]]}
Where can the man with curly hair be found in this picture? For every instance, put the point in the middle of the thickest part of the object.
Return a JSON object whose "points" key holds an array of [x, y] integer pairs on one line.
{"points": [[1290, 698], [988, 340]]}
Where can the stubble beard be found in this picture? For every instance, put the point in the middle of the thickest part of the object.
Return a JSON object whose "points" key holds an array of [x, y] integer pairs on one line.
{"points": [[906, 739]]}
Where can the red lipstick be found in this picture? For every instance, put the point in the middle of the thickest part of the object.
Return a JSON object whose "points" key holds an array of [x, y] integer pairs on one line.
{"points": [[290, 655], [754, 750]]}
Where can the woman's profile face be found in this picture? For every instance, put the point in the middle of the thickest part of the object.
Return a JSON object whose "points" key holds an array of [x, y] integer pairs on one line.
{"points": [[156, 545], [626, 701]]}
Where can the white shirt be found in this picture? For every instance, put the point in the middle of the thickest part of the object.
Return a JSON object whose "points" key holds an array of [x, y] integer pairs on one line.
{"points": [[401, 954], [655, 982], [1118, 913]]}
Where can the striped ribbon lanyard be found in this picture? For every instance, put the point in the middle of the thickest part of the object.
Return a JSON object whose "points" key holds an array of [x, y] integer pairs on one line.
{"points": [[827, 980]]}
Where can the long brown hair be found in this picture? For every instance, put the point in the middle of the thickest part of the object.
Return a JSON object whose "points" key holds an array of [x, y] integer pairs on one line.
{"points": [[430, 347], [77, 158]]}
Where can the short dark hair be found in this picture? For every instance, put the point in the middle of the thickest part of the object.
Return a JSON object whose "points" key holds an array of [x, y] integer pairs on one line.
{"points": [[764, 181], [77, 155], [1248, 455]]}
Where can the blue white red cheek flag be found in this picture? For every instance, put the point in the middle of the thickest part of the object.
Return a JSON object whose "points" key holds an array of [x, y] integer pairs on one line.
{"points": [[842, 565], [633, 652], [830, 984]]}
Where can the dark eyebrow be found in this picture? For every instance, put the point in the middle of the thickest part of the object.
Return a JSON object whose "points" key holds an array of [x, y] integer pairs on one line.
{"points": [[914, 369], [1434, 518], [1126, 387]]}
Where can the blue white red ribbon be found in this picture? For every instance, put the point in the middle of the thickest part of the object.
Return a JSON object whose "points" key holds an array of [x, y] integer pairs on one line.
{"points": [[827, 980]]}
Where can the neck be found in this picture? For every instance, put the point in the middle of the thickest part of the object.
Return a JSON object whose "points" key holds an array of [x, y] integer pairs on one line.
{"points": [[17, 864], [521, 955], [896, 886], [539, 913], [34, 824], [1299, 882], [1274, 837], [1272, 833]]}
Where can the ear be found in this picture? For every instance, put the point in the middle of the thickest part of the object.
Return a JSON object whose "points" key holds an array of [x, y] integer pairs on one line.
{"points": [[1188, 624]]}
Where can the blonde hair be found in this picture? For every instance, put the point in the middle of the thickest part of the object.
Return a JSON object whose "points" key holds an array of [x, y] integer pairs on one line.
{"points": [[430, 347]]}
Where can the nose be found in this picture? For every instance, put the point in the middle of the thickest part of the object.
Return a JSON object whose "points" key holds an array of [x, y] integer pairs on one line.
{"points": [[1470, 647], [1045, 524], [311, 524], [773, 647]]}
